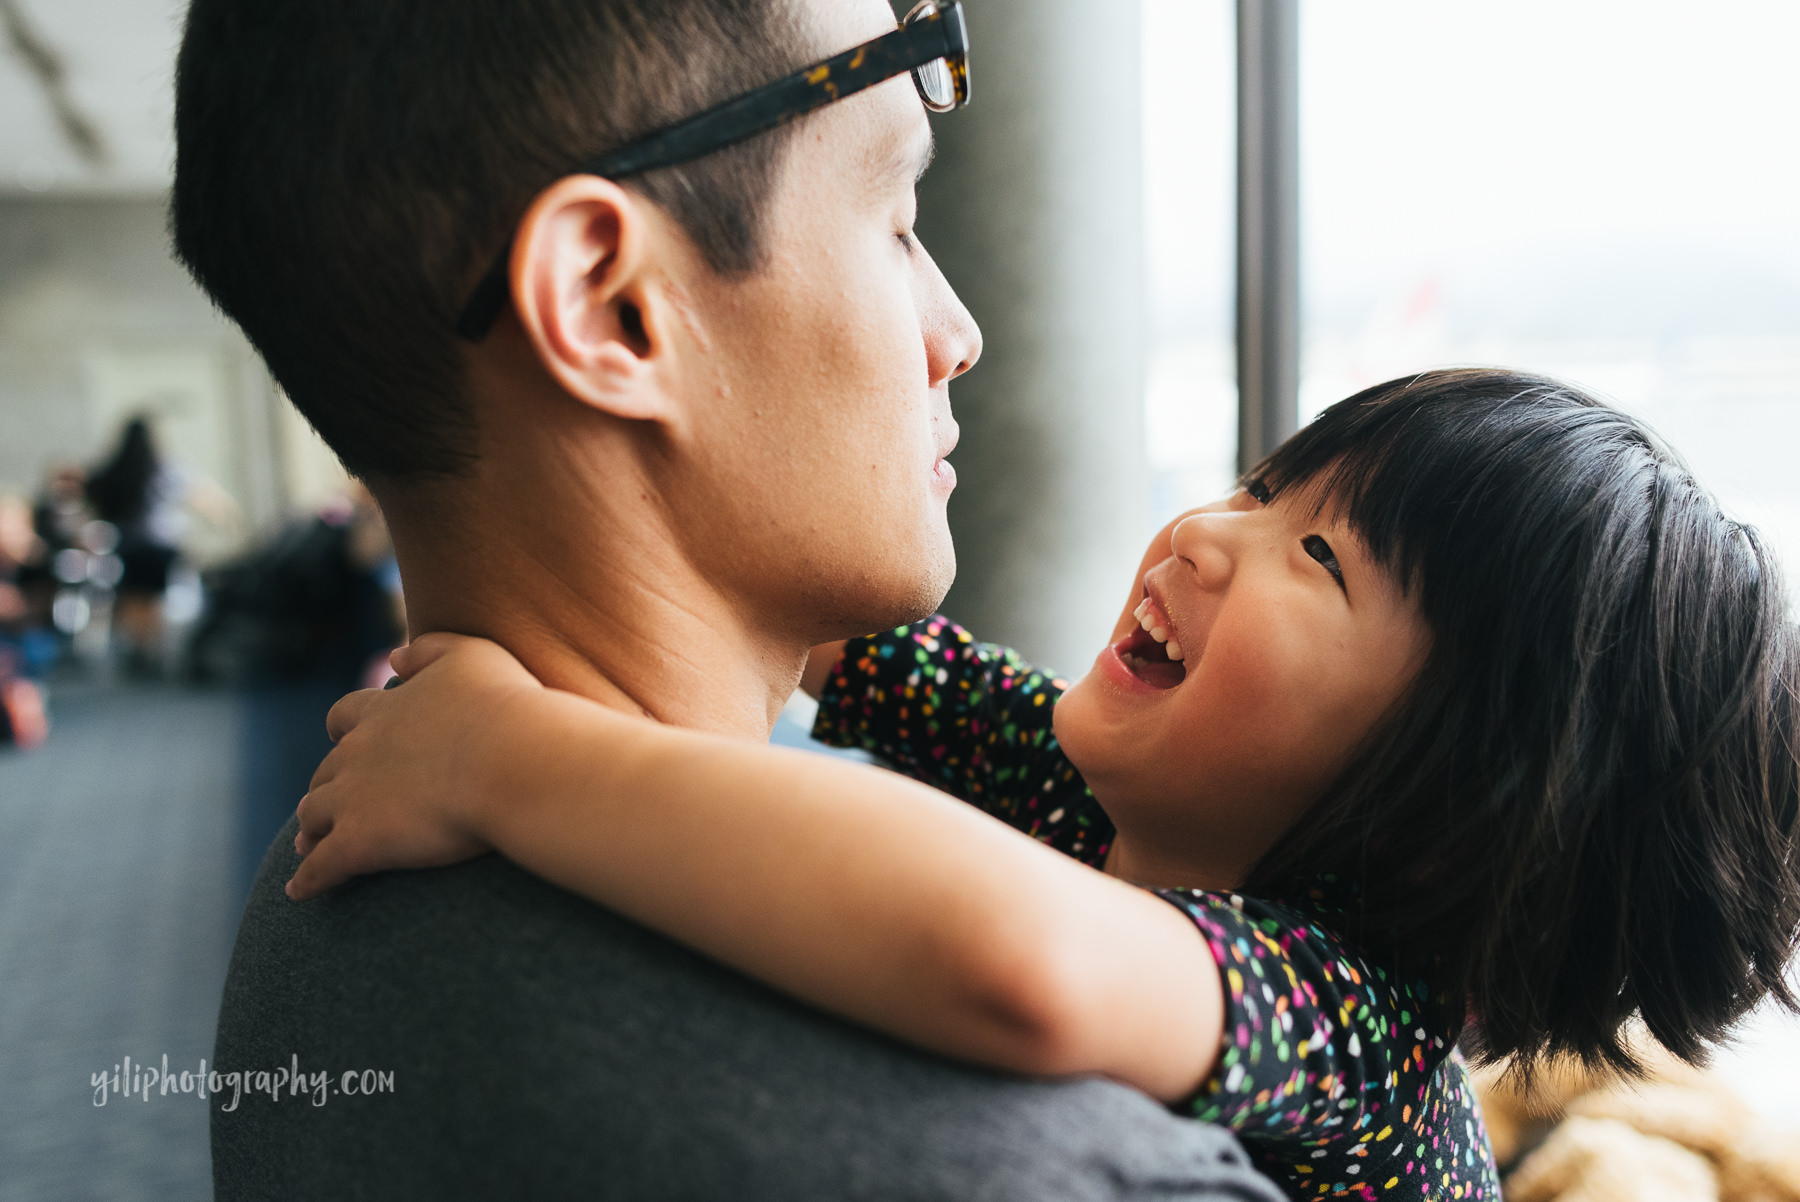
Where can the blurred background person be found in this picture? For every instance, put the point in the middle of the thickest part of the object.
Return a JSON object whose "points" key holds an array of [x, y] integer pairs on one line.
{"points": [[59, 514], [135, 492], [23, 653], [148, 502], [318, 601], [24, 563], [61, 508]]}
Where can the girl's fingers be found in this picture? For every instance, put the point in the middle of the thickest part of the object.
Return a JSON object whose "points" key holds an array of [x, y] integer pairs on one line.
{"points": [[316, 820], [323, 774], [307, 841], [348, 712], [316, 874], [329, 856], [413, 658]]}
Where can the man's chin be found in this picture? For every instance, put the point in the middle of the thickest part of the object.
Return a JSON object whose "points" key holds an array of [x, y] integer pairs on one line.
{"points": [[942, 575], [921, 601], [888, 600]]}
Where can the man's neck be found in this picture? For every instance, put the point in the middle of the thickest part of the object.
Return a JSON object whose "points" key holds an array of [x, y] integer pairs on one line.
{"points": [[605, 610]]}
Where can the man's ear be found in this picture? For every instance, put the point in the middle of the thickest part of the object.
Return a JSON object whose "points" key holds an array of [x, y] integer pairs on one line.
{"points": [[581, 293]]}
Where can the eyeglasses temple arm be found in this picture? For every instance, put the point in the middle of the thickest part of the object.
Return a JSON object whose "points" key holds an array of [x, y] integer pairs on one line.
{"points": [[734, 121], [783, 101]]}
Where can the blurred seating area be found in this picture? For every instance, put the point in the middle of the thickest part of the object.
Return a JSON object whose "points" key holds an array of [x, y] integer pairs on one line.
{"points": [[165, 669], [98, 584]]}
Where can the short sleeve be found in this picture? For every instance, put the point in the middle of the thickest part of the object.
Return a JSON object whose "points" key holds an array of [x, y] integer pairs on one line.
{"points": [[1317, 1039], [972, 719]]}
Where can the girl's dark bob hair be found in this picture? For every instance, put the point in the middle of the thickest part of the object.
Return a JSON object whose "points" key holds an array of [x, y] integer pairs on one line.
{"points": [[1585, 808]]}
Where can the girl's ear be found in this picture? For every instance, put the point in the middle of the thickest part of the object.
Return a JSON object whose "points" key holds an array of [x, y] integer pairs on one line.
{"points": [[582, 295]]}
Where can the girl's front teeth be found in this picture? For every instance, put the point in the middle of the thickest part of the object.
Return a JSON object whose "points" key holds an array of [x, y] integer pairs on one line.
{"points": [[1147, 619]]}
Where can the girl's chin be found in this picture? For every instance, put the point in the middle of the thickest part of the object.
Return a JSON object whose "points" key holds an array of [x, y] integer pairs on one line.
{"points": [[1073, 718], [1094, 739]]}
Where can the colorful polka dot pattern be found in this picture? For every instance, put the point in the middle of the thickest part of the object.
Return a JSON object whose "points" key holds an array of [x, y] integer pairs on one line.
{"points": [[1340, 1082], [972, 719]]}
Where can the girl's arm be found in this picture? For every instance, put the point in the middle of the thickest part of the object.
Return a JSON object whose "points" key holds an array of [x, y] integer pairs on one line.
{"points": [[853, 888]]}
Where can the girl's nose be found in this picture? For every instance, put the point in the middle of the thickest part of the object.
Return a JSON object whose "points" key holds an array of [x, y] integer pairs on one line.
{"points": [[1203, 542]]}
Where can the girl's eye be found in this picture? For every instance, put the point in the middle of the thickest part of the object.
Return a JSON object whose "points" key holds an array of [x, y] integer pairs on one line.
{"points": [[1259, 492], [1321, 550], [907, 240]]}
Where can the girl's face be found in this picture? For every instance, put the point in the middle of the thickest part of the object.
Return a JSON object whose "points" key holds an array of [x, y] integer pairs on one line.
{"points": [[1276, 645]]}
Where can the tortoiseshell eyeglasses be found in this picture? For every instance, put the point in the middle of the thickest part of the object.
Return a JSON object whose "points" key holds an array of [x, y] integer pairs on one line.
{"points": [[932, 43]]}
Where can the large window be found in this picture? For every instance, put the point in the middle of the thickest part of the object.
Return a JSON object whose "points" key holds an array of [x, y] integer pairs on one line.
{"points": [[1189, 156], [1605, 190]]}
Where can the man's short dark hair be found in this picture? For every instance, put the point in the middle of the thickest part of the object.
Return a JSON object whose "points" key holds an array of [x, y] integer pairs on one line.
{"points": [[344, 170]]}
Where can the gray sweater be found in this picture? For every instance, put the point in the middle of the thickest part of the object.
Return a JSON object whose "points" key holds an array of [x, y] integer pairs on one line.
{"points": [[473, 1032]]}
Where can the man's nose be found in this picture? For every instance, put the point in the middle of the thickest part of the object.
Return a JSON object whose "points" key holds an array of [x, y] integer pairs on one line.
{"points": [[1206, 542], [952, 339]]}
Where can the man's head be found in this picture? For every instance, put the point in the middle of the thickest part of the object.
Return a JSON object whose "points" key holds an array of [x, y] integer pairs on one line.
{"points": [[748, 341]]}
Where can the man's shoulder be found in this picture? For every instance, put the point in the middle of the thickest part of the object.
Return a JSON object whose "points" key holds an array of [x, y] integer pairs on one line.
{"points": [[482, 989], [518, 1039], [450, 940]]}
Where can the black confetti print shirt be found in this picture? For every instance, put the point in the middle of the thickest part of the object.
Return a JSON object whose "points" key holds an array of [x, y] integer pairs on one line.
{"points": [[1341, 1080]]}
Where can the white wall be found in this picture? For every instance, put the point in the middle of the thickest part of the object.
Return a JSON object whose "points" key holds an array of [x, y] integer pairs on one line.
{"points": [[98, 322]]}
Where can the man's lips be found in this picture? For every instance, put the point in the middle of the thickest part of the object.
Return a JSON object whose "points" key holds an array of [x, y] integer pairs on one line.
{"points": [[941, 470], [951, 436]]}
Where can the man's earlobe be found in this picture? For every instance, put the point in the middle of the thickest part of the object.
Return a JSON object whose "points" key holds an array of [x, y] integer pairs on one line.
{"points": [[583, 297]]}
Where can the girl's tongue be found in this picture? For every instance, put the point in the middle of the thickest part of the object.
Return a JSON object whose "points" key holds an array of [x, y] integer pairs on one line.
{"points": [[1149, 661]]}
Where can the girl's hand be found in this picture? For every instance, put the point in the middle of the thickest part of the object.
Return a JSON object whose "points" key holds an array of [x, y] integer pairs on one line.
{"points": [[413, 767]]}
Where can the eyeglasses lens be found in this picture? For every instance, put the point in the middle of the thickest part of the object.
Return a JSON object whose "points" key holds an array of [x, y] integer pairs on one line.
{"points": [[936, 84]]}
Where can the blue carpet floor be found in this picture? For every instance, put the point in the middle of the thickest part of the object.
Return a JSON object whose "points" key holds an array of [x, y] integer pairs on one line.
{"points": [[126, 846]]}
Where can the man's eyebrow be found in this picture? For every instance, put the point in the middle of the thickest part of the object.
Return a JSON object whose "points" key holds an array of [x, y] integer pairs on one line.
{"points": [[926, 155], [903, 159]]}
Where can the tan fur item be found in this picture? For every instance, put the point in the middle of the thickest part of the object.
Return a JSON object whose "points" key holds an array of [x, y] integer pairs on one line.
{"points": [[1699, 1117], [1605, 1160], [1765, 1172]]}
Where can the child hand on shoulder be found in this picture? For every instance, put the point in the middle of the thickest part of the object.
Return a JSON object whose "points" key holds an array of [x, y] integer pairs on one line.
{"points": [[422, 762]]}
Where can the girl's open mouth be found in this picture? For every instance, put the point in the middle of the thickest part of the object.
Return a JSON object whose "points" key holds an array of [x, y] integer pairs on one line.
{"points": [[1148, 660]]}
